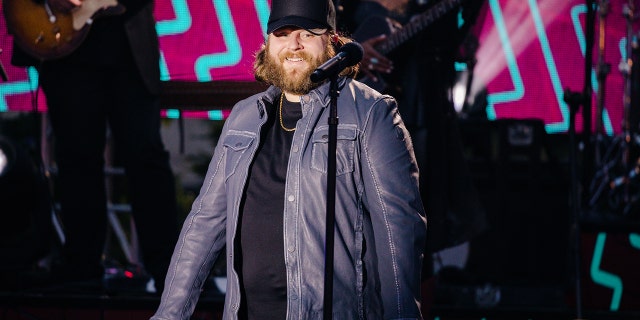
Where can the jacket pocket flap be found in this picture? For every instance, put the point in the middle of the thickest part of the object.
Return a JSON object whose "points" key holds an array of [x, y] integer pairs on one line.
{"points": [[237, 141], [344, 133]]}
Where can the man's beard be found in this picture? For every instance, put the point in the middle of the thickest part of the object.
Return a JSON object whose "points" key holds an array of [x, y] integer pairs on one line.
{"points": [[294, 81]]}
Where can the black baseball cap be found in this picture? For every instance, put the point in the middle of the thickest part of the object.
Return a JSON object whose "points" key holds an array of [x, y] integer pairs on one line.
{"points": [[305, 14]]}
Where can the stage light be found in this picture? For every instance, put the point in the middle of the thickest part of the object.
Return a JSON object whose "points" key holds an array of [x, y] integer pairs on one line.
{"points": [[459, 90], [15, 182], [25, 222], [3, 161], [7, 156]]}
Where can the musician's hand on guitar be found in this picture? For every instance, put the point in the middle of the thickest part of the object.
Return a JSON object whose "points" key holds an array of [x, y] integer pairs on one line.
{"points": [[64, 6], [374, 62], [52, 29]]}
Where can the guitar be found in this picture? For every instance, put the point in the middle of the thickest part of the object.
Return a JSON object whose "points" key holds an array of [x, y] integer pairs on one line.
{"points": [[402, 34], [46, 34]]}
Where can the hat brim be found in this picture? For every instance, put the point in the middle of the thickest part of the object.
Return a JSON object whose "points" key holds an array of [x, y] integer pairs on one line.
{"points": [[295, 21]]}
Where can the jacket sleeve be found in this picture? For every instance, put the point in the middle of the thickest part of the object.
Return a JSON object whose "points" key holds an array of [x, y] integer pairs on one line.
{"points": [[201, 240], [397, 214]]}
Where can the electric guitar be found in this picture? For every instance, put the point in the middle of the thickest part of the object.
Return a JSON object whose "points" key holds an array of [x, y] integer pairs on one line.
{"points": [[46, 34], [400, 35]]}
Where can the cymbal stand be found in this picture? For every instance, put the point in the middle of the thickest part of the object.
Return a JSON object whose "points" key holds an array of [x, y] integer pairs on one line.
{"points": [[625, 68], [615, 167], [601, 179], [603, 70]]}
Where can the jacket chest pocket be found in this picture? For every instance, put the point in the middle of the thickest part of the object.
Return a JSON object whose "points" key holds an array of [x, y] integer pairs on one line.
{"points": [[236, 146], [345, 148]]}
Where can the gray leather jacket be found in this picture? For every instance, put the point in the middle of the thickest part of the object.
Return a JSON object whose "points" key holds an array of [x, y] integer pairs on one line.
{"points": [[380, 220]]}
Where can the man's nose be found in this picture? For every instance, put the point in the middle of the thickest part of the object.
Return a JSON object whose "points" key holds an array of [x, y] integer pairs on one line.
{"points": [[293, 42]]}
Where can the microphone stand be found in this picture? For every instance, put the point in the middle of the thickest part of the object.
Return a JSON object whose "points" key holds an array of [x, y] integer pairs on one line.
{"points": [[331, 199], [574, 100]]}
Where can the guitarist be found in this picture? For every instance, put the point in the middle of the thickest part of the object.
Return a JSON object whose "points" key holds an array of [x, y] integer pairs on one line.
{"points": [[110, 82], [371, 22], [419, 74]]}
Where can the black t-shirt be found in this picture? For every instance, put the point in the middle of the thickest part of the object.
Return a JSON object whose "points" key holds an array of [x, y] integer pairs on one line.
{"points": [[260, 236]]}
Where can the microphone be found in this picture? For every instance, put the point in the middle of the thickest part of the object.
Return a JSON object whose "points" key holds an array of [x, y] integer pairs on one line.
{"points": [[348, 55]]}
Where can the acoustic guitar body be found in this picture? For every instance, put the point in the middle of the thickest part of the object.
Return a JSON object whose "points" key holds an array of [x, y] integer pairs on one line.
{"points": [[46, 34]]}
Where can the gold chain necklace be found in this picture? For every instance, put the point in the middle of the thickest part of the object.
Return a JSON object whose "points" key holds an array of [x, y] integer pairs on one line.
{"points": [[281, 123]]}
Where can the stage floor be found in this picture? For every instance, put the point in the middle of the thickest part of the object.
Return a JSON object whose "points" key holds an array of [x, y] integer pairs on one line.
{"points": [[88, 305], [84, 302]]}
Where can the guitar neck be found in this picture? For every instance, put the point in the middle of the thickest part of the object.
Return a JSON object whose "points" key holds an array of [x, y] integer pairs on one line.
{"points": [[416, 25]]}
